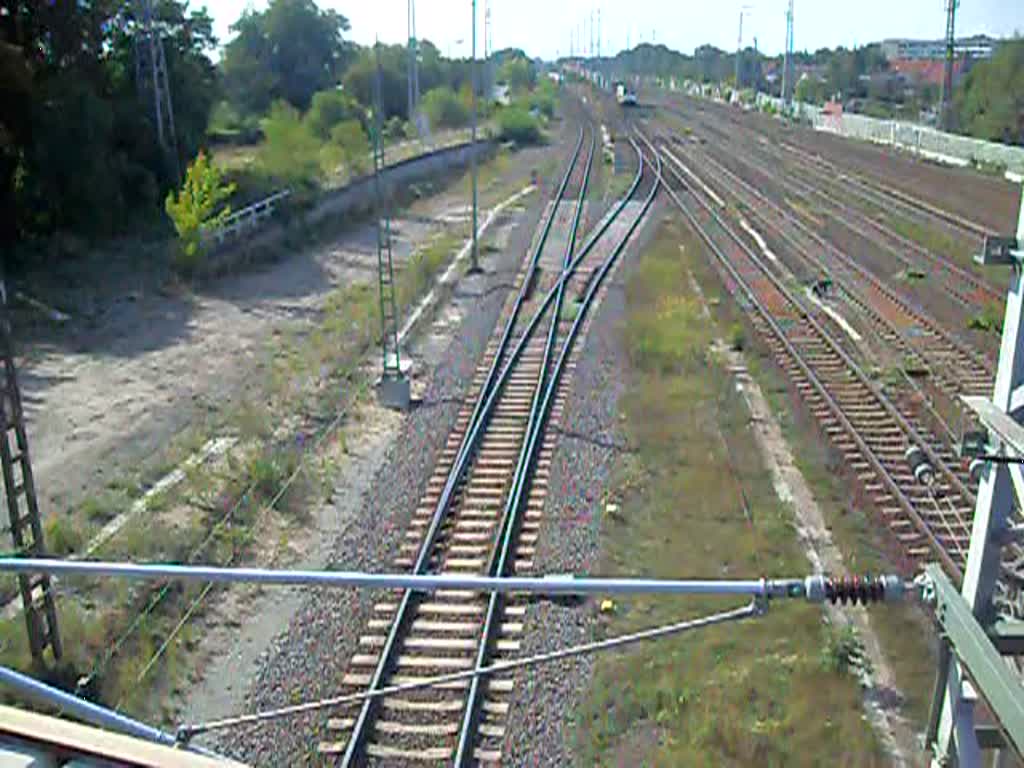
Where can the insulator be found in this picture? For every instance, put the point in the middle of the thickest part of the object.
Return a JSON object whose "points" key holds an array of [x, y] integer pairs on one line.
{"points": [[855, 589], [919, 465], [977, 469]]}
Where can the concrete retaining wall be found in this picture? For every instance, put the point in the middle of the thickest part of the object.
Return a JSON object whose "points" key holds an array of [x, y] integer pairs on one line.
{"points": [[356, 199]]}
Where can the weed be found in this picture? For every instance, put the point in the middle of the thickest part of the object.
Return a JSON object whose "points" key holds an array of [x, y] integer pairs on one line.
{"points": [[724, 695], [989, 319], [842, 651], [737, 337], [62, 535]]}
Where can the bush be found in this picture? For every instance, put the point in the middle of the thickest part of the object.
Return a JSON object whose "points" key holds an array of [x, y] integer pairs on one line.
{"points": [[291, 153], [195, 206], [352, 145], [328, 109], [396, 129], [229, 126], [518, 125], [444, 109]]}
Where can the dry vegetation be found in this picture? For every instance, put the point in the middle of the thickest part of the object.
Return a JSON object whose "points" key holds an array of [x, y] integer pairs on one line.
{"points": [[773, 691]]}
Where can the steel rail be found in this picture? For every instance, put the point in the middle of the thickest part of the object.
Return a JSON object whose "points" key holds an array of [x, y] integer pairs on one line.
{"points": [[954, 568], [885, 237], [524, 463], [957, 344], [512, 517], [859, 178], [590, 242], [959, 376], [492, 384]]}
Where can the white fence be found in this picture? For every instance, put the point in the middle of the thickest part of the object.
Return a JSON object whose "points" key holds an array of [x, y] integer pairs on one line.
{"points": [[245, 220], [948, 147]]}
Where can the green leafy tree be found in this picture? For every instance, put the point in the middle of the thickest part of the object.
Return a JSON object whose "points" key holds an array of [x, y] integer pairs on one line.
{"points": [[77, 153], [359, 80], [195, 206], [990, 102], [518, 73], [289, 51]]}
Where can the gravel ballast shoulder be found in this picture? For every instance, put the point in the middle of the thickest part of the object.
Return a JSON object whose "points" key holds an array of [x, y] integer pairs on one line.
{"points": [[308, 660], [539, 728]]}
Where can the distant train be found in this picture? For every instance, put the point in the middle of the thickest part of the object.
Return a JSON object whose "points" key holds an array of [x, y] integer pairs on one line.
{"points": [[625, 95]]}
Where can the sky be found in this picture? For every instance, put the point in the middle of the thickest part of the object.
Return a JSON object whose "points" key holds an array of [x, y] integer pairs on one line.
{"points": [[543, 27]]}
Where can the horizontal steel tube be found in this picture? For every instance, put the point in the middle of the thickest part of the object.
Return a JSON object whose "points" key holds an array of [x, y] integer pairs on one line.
{"points": [[86, 711], [422, 583]]}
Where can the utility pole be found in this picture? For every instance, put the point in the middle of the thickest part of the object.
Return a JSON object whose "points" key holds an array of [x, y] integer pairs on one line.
{"points": [[947, 78], [394, 386], [414, 67], [151, 80], [739, 51], [488, 77], [591, 34], [787, 62], [475, 266]]}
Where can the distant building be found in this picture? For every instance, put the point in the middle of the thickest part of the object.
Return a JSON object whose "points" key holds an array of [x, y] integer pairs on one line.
{"points": [[929, 70], [976, 47]]}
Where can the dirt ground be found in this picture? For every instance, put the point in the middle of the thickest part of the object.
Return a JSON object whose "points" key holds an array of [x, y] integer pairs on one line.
{"points": [[107, 391]]}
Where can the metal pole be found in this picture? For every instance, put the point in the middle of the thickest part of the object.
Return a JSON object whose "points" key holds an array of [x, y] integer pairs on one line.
{"points": [[87, 711], [813, 588], [475, 265]]}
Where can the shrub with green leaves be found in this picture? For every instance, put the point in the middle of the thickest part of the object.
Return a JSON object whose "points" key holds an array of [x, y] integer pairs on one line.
{"points": [[329, 108], [352, 145], [290, 156], [518, 125], [195, 206], [444, 108]]}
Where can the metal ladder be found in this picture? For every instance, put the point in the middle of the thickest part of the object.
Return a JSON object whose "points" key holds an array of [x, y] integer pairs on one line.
{"points": [[385, 268], [22, 505]]}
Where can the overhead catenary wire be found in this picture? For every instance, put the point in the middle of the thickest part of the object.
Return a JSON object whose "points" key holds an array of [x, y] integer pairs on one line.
{"points": [[752, 609]]}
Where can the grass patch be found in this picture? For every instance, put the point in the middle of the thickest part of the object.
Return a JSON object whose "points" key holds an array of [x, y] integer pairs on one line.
{"points": [[767, 693], [990, 318]]}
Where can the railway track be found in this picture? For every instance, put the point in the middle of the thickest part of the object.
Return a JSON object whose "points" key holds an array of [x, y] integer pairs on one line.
{"points": [[481, 510], [869, 430], [821, 183], [942, 366]]}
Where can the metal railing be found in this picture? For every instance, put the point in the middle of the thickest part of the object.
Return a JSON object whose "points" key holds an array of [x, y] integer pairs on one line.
{"points": [[245, 220]]}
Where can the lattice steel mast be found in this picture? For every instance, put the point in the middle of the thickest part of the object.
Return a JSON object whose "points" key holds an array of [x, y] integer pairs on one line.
{"points": [[26, 527], [787, 63], [394, 387], [152, 81], [947, 77]]}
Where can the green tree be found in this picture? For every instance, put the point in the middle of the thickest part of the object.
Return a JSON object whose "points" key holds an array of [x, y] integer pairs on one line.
{"points": [[77, 153], [359, 79], [195, 206], [289, 51], [518, 73], [990, 101]]}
